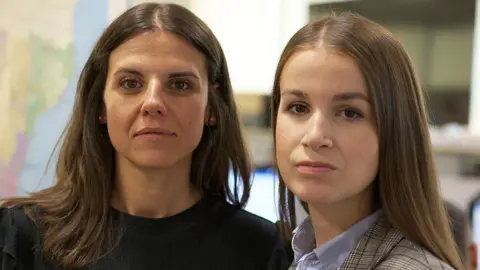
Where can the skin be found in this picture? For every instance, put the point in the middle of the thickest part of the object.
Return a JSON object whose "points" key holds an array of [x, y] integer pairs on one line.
{"points": [[155, 80], [325, 119]]}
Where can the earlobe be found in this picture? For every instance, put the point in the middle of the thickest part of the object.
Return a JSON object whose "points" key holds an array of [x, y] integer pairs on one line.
{"points": [[102, 119], [210, 121]]}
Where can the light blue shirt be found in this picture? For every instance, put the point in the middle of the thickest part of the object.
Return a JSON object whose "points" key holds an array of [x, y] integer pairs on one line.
{"points": [[332, 254]]}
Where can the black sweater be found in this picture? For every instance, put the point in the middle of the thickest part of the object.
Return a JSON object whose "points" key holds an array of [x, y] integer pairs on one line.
{"points": [[210, 235]]}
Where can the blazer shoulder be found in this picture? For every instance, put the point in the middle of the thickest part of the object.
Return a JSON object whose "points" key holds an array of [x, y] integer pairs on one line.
{"points": [[410, 256]]}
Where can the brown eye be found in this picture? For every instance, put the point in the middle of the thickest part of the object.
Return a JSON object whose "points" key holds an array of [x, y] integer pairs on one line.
{"points": [[130, 84], [351, 114], [180, 85], [298, 109]]}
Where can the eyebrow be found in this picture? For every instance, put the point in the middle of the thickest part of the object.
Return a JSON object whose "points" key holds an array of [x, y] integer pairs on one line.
{"points": [[295, 92], [173, 75], [345, 96], [351, 95], [183, 74]]}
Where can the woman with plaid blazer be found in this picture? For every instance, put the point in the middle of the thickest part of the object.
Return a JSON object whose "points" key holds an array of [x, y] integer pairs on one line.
{"points": [[352, 144]]}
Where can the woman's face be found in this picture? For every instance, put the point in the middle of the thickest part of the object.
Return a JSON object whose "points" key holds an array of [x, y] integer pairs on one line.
{"points": [[326, 139], [155, 100]]}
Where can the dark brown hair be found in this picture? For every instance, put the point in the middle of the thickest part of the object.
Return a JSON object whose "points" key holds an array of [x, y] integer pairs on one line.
{"points": [[76, 216], [406, 185]]}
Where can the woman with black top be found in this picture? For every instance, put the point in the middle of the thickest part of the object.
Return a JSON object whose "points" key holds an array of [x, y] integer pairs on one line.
{"points": [[143, 167]]}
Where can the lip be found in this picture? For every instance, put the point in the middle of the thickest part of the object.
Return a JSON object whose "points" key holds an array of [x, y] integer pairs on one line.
{"points": [[314, 167], [155, 131]]}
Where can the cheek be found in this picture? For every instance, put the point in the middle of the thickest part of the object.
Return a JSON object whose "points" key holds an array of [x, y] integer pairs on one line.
{"points": [[281, 137], [286, 141], [120, 116], [195, 111], [192, 119], [118, 113], [361, 150], [286, 138], [287, 130]]}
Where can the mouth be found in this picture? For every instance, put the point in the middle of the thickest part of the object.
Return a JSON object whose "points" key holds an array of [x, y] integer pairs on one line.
{"points": [[312, 167], [155, 132]]}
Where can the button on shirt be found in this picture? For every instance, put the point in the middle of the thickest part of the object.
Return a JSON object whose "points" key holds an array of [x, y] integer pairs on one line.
{"points": [[332, 254]]}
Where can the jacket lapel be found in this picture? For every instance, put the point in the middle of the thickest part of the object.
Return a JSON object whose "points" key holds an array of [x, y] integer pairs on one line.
{"points": [[373, 246]]}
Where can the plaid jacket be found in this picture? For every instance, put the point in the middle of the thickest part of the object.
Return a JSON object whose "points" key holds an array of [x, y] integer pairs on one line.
{"points": [[384, 247]]}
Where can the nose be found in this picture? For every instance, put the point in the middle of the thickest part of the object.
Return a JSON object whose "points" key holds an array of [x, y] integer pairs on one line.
{"points": [[154, 100], [317, 133]]}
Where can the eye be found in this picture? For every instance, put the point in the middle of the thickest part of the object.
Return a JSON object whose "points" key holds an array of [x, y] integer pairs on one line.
{"points": [[180, 85], [298, 108], [352, 114], [130, 84]]}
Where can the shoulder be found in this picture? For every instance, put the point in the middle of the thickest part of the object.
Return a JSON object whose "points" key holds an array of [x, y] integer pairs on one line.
{"points": [[16, 229], [14, 218], [410, 256], [385, 247], [9, 229]]}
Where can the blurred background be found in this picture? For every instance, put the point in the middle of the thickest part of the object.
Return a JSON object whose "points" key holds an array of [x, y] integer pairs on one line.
{"points": [[44, 44]]}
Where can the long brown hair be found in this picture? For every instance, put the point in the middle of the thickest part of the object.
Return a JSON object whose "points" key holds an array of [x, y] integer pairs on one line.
{"points": [[76, 217], [406, 185]]}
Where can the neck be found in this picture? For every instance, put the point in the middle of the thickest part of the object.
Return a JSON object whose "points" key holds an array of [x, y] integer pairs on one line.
{"points": [[153, 193], [331, 219]]}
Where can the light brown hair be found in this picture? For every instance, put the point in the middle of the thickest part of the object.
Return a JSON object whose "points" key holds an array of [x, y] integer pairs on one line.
{"points": [[406, 185], [75, 213]]}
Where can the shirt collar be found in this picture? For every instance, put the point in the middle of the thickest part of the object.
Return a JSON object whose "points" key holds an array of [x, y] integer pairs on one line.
{"points": [[303, 242]]}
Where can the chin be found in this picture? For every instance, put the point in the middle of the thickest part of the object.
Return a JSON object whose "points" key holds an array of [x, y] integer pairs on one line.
{"points": [[155, 161], [315, 193]]}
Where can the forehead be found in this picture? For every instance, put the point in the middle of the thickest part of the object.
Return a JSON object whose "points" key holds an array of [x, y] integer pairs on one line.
{"points": [[158, 49], [322, 72]]}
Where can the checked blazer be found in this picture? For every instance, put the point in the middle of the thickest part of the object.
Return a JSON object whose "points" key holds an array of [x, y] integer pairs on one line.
{"points": [[383, 247]]}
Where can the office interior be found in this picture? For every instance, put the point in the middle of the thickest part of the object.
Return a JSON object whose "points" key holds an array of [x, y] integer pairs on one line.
{"points": [[43, 45], [438, 35]]}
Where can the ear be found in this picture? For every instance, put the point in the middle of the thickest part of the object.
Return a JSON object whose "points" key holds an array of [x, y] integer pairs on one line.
{"points": [[209, 118], [102, 118], [211, 121]]}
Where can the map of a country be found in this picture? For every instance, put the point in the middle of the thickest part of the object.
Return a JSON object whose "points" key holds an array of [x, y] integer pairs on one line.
{"points": [[43, 46], [34, 74]]}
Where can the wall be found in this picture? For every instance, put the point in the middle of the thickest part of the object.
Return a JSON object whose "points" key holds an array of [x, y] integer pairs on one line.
{"points": [[442, 55]]}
